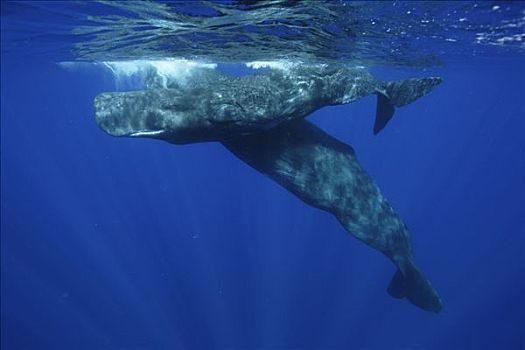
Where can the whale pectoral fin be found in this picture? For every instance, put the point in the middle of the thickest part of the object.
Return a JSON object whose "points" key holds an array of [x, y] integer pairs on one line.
{"points": [[384, 112]]}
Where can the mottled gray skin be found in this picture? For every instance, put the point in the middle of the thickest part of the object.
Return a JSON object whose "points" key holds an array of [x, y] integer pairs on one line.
{"points": [[324, 173], [212, 106]]}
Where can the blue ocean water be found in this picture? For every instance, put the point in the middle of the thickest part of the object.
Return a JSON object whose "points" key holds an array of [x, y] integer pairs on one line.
{"points": [[117, 243]]}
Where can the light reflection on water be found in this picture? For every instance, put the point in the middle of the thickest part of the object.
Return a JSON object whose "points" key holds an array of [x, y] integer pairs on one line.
{"points": [[380, 33]]}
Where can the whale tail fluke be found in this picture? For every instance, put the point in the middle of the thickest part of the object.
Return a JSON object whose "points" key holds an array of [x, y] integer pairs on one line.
{"points": [[408, 282], [384, 112], [398, 94]]}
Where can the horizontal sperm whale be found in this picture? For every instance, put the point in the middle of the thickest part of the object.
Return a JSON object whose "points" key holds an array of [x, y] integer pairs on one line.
{"points": [[260, 118], [211, 106]]}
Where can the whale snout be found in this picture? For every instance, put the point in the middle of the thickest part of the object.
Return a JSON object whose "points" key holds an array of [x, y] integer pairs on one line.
{"points": [[125, 114], [109, 115]]}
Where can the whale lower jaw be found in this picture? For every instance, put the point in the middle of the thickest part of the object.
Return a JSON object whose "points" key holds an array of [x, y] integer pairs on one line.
{"points": [[146, 133]]}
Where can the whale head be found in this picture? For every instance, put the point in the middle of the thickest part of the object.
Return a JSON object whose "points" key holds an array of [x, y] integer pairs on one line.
{"points": [[127, 114], [160, 114]]}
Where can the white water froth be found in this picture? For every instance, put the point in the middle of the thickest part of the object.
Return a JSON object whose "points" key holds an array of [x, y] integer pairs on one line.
{"points": [[166, 70], [283, 65], [131, 75]]}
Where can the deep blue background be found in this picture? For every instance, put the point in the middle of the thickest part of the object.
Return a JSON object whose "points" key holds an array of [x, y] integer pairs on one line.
{"points": [[114, 243]]}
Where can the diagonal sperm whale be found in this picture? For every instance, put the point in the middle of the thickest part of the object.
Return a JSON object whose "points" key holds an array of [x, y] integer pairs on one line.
{"points": [[263, 124], [324, 173]]}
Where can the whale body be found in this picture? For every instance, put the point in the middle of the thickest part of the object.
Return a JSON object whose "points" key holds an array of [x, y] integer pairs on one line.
{"points": [[260, 119], [324, 173], [211, 106]]}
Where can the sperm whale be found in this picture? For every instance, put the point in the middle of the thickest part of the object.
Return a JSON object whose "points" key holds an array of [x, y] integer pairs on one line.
{"points": [[324, 173], [211, 106]]}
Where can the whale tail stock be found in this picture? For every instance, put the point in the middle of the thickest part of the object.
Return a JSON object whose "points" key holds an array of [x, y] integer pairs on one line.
{"points": [[408, 282], [399, 93]]}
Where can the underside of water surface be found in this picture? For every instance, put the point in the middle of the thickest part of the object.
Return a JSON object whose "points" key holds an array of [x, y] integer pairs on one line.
{"points": [[399, 33]]}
